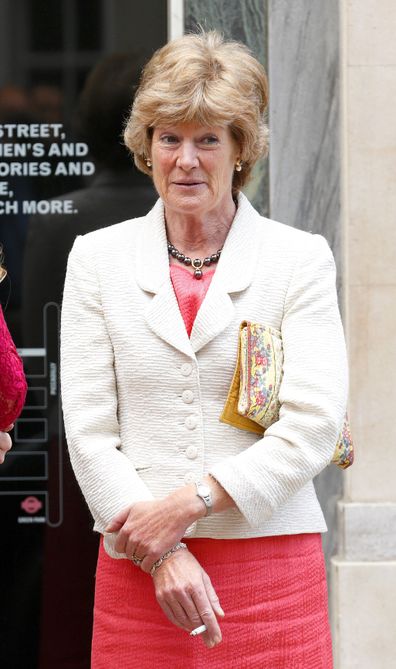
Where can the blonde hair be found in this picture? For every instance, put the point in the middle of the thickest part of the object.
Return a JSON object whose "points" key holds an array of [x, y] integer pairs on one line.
{"points": [[202, 78], [3, 271]]}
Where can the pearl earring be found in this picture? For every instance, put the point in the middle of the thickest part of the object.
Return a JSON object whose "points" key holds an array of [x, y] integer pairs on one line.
{"points": [[148, 162], [238, 166]]}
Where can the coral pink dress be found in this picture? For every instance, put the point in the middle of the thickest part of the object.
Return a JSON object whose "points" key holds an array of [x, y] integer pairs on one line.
{"points": [[12, 379], [273, 591]]}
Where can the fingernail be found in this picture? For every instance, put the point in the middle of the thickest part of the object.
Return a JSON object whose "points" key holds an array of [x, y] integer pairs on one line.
{"points": [[221, 611]]}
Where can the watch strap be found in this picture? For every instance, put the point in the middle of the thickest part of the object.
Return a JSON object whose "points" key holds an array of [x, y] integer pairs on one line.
{"points": [[205, 493]]}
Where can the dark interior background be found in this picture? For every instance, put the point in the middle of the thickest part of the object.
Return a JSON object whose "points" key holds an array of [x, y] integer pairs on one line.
{"points": [[47, 547]]}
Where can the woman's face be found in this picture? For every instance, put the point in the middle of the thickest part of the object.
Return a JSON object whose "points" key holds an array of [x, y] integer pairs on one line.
{"points": [[193, 166]]}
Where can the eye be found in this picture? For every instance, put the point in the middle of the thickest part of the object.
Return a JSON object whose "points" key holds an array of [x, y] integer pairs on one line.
{"points": [[210, 140], [169, 139]]}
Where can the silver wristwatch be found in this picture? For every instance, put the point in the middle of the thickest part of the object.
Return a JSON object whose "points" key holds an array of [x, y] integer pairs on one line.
{"points": [[205, 493]]}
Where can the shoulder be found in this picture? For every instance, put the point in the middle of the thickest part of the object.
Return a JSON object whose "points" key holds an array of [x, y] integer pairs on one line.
{"points": [[305, 247], [284, 235], [112, 234], [282, 239], [113, 239]]}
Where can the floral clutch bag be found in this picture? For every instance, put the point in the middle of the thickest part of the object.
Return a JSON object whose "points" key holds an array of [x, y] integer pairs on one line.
{"points": [[253, 399]]}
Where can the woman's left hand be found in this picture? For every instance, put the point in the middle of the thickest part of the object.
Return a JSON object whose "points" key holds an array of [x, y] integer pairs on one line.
{"points": [[5, 443], [146, 530], [187, 597]]}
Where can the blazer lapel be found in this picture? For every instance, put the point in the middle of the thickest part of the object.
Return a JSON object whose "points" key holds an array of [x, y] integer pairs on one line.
{"points": [[152, 273], [234, 273], [164, 318]]}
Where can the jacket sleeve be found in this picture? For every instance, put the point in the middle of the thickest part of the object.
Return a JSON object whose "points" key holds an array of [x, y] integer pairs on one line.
{"points": [[313, 395], [107, 477]]}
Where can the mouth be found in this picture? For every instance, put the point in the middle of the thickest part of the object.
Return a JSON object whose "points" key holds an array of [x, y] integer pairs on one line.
{"points": [[188, 184]]}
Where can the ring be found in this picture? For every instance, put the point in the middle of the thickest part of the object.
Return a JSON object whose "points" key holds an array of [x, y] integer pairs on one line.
{"points": [[136, 561]]}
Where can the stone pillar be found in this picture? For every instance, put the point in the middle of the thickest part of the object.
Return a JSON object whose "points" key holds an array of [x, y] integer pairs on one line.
{"points": [[247, 22], [364, 572], [304, 158]]}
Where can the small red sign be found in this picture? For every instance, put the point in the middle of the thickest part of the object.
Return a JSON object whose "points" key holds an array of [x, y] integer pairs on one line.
{"points": [[31, 504]]}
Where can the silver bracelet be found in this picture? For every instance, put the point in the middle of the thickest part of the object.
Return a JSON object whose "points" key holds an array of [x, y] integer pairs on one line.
{"points": [[168, 553]]}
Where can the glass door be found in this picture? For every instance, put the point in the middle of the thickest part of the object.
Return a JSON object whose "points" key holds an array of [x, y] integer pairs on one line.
{"points": [[68, 69]]}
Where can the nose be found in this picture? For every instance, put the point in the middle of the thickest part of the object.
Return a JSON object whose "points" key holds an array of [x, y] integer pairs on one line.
{"points": [[187, 157]]}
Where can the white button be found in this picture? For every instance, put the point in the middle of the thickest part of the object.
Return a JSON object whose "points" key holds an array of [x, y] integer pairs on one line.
{"points": [[186, 369], [191, 422], [188, 396], [190, 477], [192, 452]]}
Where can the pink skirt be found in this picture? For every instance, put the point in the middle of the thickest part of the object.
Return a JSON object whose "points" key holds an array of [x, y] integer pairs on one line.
{"points": [[272, 589]]}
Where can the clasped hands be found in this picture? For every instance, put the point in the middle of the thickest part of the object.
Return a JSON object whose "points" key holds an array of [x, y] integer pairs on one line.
{"points": [[146, 531]]}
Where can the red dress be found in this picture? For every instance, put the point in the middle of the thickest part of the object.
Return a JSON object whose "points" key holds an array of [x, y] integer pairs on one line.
{"points": [[273, 591], [13, 385]]}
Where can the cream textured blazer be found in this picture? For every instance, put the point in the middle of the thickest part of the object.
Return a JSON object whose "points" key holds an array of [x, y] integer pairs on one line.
{"points": [[142, 401]]}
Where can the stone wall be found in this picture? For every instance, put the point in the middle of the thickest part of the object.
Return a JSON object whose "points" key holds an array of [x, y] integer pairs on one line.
{"points": [[364, 573]]}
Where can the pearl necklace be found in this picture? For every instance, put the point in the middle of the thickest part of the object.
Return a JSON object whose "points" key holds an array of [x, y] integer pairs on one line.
{"points": [[197, 263]]}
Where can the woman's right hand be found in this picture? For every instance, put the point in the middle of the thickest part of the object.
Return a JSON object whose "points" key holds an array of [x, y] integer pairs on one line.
{"points": [[187, 597], [5, 443]]}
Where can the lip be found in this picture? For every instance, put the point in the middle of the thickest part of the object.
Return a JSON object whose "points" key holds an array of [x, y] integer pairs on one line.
{"points": [[188, 183]]}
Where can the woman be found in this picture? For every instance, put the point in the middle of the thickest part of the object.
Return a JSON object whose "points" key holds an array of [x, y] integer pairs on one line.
{"points": [[12, 380], [150, 323]]}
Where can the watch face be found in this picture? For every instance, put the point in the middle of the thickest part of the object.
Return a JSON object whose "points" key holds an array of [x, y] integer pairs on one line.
{"points": [[205, 493]]}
